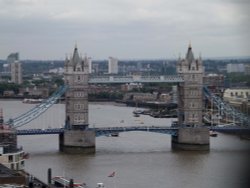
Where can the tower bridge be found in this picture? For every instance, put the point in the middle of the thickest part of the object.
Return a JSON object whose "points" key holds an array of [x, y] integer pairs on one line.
{"points": [[77, 137]]}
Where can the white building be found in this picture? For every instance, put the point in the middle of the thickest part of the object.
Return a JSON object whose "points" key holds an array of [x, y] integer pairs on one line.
{"points": [[16, 72], [236, 94], [113, 65], [235, 68], [58, 70]]}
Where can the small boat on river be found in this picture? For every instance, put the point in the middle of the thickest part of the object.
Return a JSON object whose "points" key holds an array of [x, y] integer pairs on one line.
{"points": [[32, 101], [116, 134], [212, 134], [59, 181]]}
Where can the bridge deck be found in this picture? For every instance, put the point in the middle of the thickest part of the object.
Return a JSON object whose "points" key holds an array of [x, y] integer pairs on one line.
{"points": [[157, 129]]}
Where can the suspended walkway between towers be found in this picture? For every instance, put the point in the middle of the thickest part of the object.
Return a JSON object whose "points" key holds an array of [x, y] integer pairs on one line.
{"points": [[38, 110], [226, 109]]}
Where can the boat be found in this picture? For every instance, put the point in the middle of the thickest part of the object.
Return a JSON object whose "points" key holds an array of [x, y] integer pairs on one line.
{"points": [[32, 101], [212, 134], [60, 181], [100, 185], [137, 112], [136, 115], [116, 134]]}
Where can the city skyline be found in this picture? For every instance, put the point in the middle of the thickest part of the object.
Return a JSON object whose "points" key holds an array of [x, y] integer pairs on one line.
{"points": [[42, 29]]}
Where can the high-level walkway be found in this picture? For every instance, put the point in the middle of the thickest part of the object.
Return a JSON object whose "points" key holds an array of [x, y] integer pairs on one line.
{"points": [[135, 79]]}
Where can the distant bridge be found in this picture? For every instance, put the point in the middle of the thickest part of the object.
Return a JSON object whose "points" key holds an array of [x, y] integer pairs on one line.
{"points": [[102, 131]]}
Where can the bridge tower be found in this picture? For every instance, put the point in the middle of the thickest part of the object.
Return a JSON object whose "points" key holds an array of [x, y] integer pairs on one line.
{"points": [[76, 138], [192, 135]]}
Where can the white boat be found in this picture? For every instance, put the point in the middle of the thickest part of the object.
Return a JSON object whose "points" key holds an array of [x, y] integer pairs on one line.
{"points": [[32, 101], [64, 182], [136, 115], [138, 111], [212, 134], [116, 134], [100, 185]]}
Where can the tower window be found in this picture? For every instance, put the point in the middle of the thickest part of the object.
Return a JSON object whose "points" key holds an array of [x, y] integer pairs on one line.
{"points": [[79, 106]]}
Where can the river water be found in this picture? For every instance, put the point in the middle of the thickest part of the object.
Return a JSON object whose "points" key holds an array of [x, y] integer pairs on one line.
{"points": [[139, 159]]}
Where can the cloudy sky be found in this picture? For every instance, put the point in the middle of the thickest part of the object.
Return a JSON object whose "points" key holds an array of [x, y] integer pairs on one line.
{"points": [[126, 29]]}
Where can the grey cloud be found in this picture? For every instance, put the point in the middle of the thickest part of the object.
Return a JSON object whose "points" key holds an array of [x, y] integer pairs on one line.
{"points": [[125, 28]]}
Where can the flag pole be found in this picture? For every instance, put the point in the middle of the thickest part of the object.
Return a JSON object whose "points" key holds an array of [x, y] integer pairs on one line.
{"points": [[114, 180], [113, 175]]}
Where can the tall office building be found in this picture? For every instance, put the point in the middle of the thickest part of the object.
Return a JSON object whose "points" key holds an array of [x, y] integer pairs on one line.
{"points": [[16, 72], [12, 57], [113, 65], [235, 68]]}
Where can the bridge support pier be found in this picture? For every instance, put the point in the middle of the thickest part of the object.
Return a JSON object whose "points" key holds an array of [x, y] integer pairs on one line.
{"points": [[77, 141], [192, 139]]}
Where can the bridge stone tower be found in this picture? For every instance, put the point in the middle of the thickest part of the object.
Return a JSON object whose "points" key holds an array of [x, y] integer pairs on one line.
{"points": [[76, 137], [192, 135]]}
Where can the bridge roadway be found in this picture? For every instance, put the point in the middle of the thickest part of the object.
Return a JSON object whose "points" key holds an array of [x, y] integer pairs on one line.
{"points": [[157, 129]]}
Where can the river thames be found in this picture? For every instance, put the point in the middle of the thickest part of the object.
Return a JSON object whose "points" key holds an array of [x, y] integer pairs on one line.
{"points": [[139, 159]]}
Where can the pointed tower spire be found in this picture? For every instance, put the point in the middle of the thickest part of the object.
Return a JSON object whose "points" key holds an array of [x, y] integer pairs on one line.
{"points": [[179, 55], [76, 57], [189, 46], [190, 55]]}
